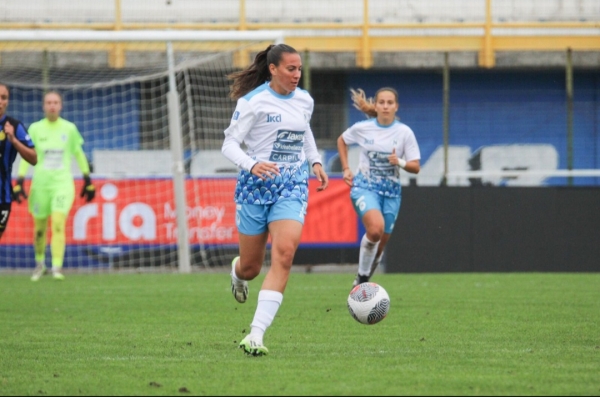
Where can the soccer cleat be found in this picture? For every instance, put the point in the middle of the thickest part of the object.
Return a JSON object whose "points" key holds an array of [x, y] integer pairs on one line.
{"points": [[57, 275], [239, 288], [253, 347], [38, 272], [360, 279]]}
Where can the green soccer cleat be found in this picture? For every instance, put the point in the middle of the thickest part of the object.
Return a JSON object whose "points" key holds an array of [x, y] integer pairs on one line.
{"points": [[239, 288], [57, 275], [253, 347], [38, 273]]}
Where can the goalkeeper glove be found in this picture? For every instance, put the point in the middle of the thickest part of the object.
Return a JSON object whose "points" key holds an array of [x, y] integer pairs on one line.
{"points": [[88, 191], [18, 191]]}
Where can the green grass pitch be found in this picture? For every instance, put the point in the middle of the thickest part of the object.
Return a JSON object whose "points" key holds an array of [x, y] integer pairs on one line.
{"points": [[171, 334]]}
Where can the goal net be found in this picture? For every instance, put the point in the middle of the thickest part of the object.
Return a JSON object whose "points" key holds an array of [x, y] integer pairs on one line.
{"points": [[156, 163]]}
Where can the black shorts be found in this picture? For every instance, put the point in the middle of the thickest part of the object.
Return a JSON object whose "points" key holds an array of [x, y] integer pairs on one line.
{"points": [[4, 215]]}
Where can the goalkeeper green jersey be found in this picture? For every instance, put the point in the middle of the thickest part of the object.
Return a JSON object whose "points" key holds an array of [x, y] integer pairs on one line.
{"points": [[55, 143]]}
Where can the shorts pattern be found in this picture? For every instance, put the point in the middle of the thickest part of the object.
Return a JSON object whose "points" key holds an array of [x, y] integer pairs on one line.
{"points": [[292, 183], [382, 186]]}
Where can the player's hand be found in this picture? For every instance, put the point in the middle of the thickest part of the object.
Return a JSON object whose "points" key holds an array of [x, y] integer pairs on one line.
{"points": [[265, 170], [321, 176], [393, 158], [9, 129], [18, 191], [348, 177], [89, 190]]}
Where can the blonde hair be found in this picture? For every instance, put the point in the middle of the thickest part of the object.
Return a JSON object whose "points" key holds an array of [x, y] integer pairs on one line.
{"points": [[367, 105]]}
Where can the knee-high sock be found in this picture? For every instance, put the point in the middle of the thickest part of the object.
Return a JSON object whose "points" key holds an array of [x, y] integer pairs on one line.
{"points": [[368, 250], [39, 239], [59, 239], [268, 305]]}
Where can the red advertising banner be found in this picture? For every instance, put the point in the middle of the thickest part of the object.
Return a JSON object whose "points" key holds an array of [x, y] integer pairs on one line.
{"points": [[142, 211]]}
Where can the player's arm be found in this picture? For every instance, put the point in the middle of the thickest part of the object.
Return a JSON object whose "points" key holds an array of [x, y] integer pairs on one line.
{"points": [[18, 191], [88, 191], [242, 121], [314, 159], [17, 138], [342, 147]]}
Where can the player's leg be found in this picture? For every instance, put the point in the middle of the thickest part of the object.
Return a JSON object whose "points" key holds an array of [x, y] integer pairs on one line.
{"points": [[58, 243], [391, 207], [251, 221], [368, 205], [39, 207], [39, 247], [62, 200], [285, 237]]}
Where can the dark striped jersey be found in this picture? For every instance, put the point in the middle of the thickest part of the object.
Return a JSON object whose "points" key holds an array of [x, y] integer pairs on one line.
{"points": [[8, 154]]}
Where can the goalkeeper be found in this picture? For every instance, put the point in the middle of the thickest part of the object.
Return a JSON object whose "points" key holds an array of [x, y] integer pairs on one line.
{"points": [[52, 191]]}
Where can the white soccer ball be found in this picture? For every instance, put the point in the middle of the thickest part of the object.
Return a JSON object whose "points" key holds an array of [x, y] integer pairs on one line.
{"points": [[368, 303]]}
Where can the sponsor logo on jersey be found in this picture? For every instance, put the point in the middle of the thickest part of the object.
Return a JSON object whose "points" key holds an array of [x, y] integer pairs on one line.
{"points": [[273, 118], [290, 136], [2, 135], [287, 147], [369, 141]]}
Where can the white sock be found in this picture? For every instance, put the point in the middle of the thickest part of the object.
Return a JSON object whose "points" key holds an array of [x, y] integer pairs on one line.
{"points": [[368, 250], [268, 304], [234, 275]]}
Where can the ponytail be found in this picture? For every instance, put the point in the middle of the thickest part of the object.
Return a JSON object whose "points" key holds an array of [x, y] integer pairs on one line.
{"points": [[256, 74], [362, 103], [367, 105]]}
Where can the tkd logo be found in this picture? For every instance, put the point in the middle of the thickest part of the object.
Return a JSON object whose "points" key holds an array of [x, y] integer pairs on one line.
{"points": [[273, 118]]}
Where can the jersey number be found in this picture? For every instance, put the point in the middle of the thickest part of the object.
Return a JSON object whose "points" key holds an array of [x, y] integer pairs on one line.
{"points": [[360, 203], [3, 216]]}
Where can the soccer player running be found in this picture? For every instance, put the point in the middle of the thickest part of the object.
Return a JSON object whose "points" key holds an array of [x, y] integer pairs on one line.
{"points": [[52, 188], [272, 118], [386, 146], [13, 139]]}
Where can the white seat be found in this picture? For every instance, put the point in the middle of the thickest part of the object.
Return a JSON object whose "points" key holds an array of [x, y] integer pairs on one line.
{"points": [[132, 163], [211, 162]]}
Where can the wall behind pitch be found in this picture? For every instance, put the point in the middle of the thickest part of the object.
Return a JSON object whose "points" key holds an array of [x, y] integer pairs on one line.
{"points": [[496, 230]]}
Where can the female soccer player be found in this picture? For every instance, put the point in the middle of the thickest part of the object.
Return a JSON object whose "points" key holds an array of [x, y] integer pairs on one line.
{"points": [[13, 139], [272, 118], [386, 146], [52, 189]]}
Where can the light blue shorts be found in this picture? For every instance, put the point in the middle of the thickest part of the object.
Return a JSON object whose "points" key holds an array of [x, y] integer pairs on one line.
{"points": [[253, 219], [365, 200]]}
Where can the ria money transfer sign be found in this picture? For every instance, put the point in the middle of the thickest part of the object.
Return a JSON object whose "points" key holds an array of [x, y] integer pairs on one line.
{"points": [[142, 211]]}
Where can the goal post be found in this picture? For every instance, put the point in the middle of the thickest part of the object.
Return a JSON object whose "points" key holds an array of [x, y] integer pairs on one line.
{"points": [[152, 125]]}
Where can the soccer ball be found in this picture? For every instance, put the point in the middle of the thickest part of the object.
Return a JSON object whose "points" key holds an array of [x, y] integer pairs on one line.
{"points": [[368, 303]]}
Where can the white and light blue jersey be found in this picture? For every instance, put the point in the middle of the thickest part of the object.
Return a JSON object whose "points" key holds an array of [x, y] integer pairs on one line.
{"points": [[377, 143], [275, 128]]}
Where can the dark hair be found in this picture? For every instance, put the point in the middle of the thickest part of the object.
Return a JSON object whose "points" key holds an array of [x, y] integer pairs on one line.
{"points": [[367, 105], [5, 86], [256, 74]]}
